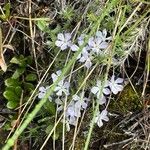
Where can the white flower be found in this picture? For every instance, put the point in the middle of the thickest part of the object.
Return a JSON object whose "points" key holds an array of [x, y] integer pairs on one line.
{"points": [[115, 85], [80, 101], [56, 75], [80, 104], [96, 44], [42, 92], [71, 114], [102, 35], [62, 87], [73, 111], [63, 40], [86, 58], [100, 117], [97, 91], [70, 111]]}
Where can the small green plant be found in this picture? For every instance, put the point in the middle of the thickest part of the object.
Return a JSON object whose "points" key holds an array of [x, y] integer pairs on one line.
{"points": [[19, 83], [67, 13], [6, 14]]}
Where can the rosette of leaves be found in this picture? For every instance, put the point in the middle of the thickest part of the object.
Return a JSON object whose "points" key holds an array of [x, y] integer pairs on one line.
{"points": [[20, 83]]}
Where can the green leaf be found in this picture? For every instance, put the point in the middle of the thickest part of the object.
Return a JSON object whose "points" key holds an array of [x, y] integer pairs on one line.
{"points": [[31, 77], [50, 107], [7, 10], [12, 82], [21, 61], [12, 104], [15, 60], [11, 96], [28, 86], [10, 88], [18, 91], [29, 60], [6, 15], [18, 73], [42, 25]]}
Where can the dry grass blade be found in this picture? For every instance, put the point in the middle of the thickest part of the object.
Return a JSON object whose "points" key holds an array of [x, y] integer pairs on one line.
{"points": [[2, 60]]}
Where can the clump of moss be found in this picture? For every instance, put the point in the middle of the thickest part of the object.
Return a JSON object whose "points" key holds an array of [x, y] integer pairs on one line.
{"points": [[128, 101]]}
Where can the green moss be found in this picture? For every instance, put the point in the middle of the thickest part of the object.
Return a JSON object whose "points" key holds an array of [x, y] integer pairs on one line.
{"points": [[128, 101]]}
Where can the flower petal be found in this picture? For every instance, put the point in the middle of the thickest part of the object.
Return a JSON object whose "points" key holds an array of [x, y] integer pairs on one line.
{"points": [[88, 63], [102, 100], [70, 111], [58, 72], [74, 48], [91, 42], [94, 89], [66, 85], [119, 87], [104, 33], [119, 80], [54, 77], [41, 95], [42, 89], [67, 36], [99, 123], [63, 46], [114, 90], [59, 93], [112, 79], [98, 41], [82, 59], [99, 34], [84, 105], [103, 45], [104, 115], [59, 43], [76, 97], [106, 91], [60, 36], [58, 101]]}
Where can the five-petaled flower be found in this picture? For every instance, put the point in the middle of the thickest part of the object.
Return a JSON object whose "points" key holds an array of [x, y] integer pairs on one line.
{"points": [[99, 92], [63, 40], [62, 87], [56, 75], [100, 117], [42, 92], [115, 85], [86, 58], [80, 104], [71, 115], [97, 45]]}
